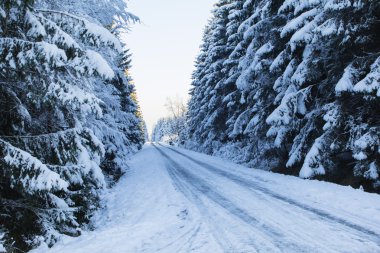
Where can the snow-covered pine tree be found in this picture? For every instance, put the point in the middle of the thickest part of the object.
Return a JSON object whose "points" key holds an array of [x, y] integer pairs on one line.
{"points": [[111, 14], [50, 81], [235, 30], [358, 93], [209, 125], [260, 38], [236, 116], [196, 105], [319, 35], [137, 131], [305, 96], [121, 127]]}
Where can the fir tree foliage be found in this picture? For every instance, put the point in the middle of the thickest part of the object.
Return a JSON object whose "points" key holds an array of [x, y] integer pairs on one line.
{"points": [[291, 86], [66, 107]]}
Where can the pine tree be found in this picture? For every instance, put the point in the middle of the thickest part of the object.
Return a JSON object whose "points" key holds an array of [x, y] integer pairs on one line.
{"points": [[120, 129], [58, 73], [209, 125], [298, 89], [308, 98]]}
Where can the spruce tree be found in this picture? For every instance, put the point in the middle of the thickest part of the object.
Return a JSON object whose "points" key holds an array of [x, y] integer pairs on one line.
{"points": [[297, 91], [58, 73]]}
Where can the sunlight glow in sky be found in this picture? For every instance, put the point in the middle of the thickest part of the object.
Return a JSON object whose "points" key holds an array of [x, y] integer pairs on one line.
{"points": [[164, 47]]}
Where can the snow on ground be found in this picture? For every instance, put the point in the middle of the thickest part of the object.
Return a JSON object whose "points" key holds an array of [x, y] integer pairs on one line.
{"points": [[174, 200], [2, 249]]}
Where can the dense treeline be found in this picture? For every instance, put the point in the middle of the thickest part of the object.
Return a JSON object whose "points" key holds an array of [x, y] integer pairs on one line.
{"points": [[69, 115], [172, 129], [291, 86]]}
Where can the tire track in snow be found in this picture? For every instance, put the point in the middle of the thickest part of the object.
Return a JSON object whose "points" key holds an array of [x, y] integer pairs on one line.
{"points": [[374, 236], [178, 173], [291, 241], [182, 187]]}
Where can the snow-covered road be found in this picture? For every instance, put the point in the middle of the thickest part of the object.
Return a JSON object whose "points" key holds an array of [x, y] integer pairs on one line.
{"points": [[173, 200]]}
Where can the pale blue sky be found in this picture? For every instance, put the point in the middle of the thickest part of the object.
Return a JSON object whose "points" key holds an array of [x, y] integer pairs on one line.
{"points": [[164, 47]]}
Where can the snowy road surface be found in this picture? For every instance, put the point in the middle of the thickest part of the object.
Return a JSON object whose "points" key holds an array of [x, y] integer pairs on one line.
{"points": [[173, 200]]}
